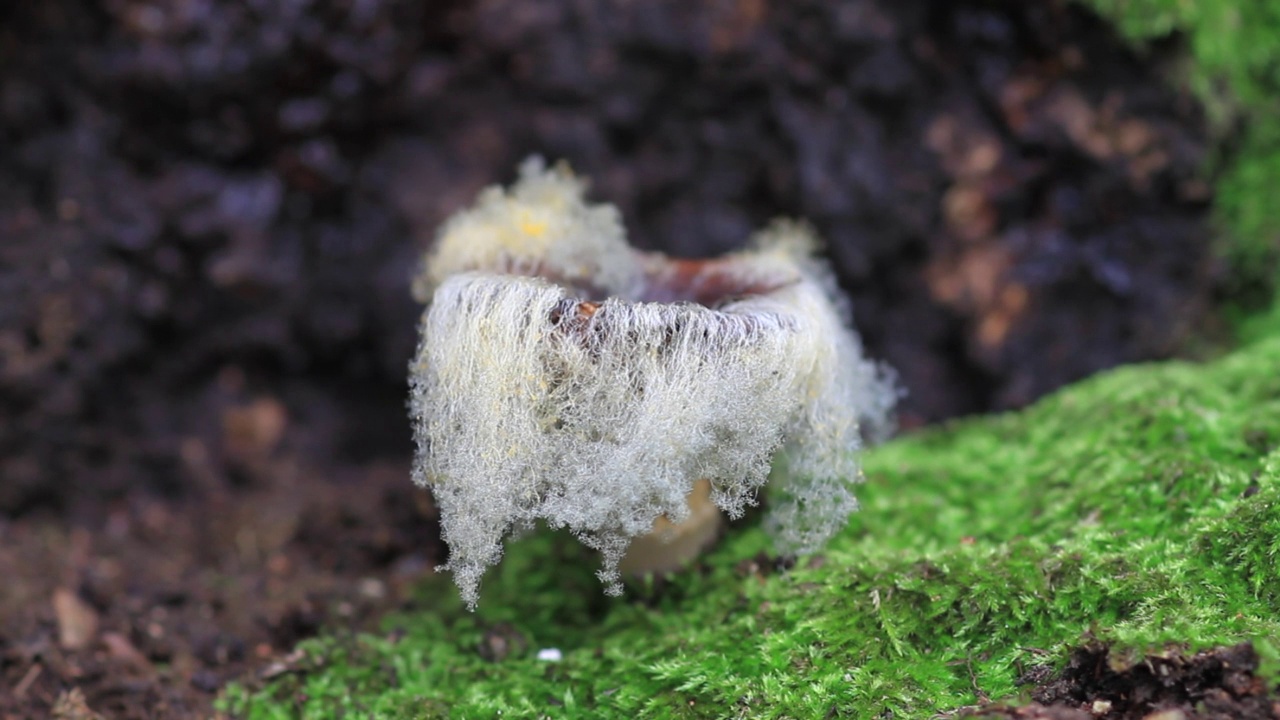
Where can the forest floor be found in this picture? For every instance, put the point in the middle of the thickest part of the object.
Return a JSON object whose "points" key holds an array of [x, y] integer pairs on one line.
{"points": [[1109, 552], [210, 214]]}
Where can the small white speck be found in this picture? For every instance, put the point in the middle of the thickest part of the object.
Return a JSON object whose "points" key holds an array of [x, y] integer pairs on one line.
{"points": [[549, 655]]}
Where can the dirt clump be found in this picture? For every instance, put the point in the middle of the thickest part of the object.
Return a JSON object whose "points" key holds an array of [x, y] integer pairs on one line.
{"points": [[1217, 684]]}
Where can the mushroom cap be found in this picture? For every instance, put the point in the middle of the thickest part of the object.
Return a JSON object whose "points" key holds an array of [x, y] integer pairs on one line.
{"points": [[588, 385]]}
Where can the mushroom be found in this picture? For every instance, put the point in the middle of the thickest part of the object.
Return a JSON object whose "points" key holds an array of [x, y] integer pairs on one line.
{"points": [[564, 376]]}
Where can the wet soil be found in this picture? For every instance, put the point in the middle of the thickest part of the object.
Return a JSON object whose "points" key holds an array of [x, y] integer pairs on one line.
{"points": [[149, 609], [1214, 685], [209, 213]]}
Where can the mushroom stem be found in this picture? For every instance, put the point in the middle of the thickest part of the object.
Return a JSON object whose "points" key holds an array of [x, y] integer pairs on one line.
{"points": [[671, 545]]}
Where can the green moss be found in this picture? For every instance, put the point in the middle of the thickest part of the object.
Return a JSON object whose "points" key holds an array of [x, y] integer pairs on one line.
{"points": [[1234, 49], [1141, 508]]}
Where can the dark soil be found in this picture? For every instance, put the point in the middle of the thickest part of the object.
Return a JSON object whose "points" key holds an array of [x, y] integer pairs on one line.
{"points": [[209, 212], [1217, 685], [149, 609]]}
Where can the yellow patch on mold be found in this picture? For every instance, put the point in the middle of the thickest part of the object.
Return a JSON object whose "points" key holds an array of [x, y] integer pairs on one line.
{"points": [[531, 226]]}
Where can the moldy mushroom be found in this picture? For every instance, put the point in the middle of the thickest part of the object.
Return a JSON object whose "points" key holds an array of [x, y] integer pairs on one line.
{"points": [[564, 376]]}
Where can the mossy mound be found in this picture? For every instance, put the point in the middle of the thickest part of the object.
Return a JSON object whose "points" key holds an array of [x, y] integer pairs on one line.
{"points": [[1140, 509]]}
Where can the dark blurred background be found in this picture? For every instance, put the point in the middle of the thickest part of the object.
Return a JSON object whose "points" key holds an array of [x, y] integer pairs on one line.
{"points": [[207, 202]]}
